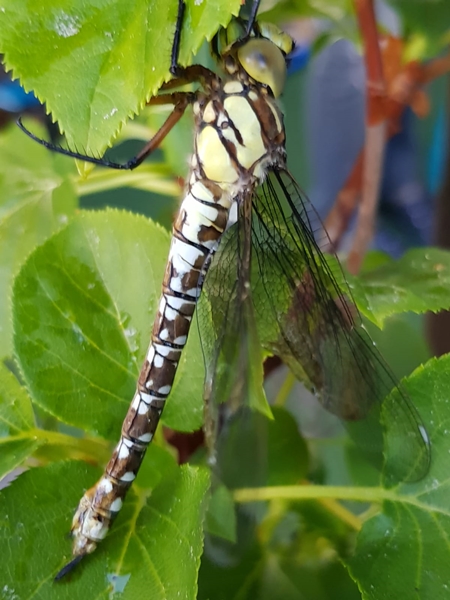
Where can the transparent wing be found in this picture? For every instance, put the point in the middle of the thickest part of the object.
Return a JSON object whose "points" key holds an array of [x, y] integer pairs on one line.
{"points": [[282, 294], [231, 346], [236, 431], [309, 320]]}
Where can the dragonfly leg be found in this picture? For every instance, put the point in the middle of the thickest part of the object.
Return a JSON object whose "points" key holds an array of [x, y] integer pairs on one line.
{"points": [[181, 101], [189, 74], [175, 68], [252, 16]]}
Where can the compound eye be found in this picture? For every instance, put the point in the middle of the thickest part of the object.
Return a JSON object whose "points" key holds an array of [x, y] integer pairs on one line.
{"points": [[264, 62]]}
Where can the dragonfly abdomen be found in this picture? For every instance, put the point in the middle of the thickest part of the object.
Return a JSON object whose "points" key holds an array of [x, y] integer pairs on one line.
{"points": [[201, 220]]}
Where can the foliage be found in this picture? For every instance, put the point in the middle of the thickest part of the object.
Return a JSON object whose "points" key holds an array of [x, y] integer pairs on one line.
{"points": [[117, 58], [79, 291]]}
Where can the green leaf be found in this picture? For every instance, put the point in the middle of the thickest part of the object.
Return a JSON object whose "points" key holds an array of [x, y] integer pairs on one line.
{"points": [[221, 516], [95, 63], [409, 538], [84, 305], [271, 451], [153, 550], [293, 558], [17, 427], [287, 450], [401, 342], [417, 282], [36, 199], [336, 10], [223, 579], [289, 578], [430, 20]]}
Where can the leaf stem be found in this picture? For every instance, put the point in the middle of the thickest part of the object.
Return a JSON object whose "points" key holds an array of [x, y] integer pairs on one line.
{"points": [[341, 513], [85, 448], [152, 178], [285, 389], [308, 492]]}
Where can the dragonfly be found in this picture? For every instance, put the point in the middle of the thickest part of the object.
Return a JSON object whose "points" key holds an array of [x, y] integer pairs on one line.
{"points": [[244, 252]]}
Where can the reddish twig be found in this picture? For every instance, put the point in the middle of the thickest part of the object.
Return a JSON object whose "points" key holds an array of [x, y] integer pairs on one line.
{"points": [[376, 128], [403, 85]]}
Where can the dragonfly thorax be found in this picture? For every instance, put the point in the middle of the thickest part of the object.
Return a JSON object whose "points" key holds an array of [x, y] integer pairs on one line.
{"points": [[240, 133]]}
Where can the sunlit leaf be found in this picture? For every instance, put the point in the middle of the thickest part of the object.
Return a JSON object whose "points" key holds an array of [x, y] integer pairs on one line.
{"points": [[84, 305], [36, 199], [336, 10], [417, 282], [154, 550], [96, 63], [18, 438]]}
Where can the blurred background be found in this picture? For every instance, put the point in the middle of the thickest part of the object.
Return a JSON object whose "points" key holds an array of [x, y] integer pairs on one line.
{"points": [[330, 104]]}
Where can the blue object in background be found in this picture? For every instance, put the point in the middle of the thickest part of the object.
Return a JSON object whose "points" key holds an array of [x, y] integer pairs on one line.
{"points": [[438, 151], [14, 99], [406, 208], [298, 58], [335, 124], [334, 120]]}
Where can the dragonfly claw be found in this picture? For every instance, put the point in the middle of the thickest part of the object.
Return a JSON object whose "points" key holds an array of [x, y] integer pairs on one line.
{"points": [[88, 528], [67, 568]]}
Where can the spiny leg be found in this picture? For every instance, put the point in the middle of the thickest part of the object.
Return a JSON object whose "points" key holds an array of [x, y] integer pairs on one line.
{"points": [[252, 16], [189, 74], [180, 100], [175, 68]]}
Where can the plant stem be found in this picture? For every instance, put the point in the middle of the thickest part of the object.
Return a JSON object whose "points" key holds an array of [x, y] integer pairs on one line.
{"points": [[341, 513], [308, 492], [152, 178], [285, 389], [84, 447]]}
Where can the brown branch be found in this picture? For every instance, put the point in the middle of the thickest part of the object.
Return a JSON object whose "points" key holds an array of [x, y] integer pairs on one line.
{"points": [[375, 134]]}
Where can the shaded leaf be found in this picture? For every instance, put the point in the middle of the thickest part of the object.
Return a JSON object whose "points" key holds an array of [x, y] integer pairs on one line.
{"points": [[223, 581], [289, 579], [294, 559], [255, 450], [84, 305], [417, 282], [221, 517], [36, 199]]}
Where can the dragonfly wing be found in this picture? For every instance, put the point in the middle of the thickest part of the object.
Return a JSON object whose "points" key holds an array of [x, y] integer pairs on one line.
{"points": [[237, 434], [310, 321], [231, 346]]}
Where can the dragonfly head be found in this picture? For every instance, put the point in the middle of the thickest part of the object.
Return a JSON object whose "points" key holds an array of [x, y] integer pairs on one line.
{"points": [[261, 54]]}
